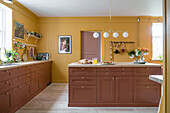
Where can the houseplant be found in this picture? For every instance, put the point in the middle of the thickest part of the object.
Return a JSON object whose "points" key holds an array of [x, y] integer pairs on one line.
{"points": [[141, 52]]}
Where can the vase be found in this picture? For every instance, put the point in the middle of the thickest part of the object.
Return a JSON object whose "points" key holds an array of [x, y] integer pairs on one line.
{"points": [[142, 59]]}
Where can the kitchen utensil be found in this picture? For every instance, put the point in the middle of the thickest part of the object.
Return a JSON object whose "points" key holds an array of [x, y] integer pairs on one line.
{"points": [[117, 51], [123, 47]]}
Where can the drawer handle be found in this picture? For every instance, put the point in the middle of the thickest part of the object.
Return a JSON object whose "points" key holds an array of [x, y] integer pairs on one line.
{"points": [[6, 82], [82, 86], [6, 71], [123, 68], [123, 73], [82, 77], [37, 79], [19, 68], [106, 73], [147, 77], [147, 68], [19, 77], [147, 86], [82, 68], [6, 93], [107, 68], [116, 78], [113, 78]]}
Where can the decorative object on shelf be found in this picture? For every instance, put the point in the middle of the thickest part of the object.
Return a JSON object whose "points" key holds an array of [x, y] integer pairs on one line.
{"points": [[19, 30], [115, 34], [31, 52], [64, 46], [123, 48], [18, 45], [25, 54], [12, 56], [35, 54], [141, 52]]}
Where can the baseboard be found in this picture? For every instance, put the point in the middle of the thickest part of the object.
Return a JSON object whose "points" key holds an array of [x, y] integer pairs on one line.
{"points": [[60, 81]]}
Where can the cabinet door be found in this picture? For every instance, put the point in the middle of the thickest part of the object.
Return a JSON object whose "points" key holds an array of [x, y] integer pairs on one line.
{"points": [[147, 94], [5, 102], [34, 86], [105, 89], [20, 93], [82, 94], [42, 82], [124, 90]]}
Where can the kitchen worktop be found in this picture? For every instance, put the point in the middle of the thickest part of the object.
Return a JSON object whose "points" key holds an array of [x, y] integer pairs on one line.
{"points": [[9, 66], [156, 78], [117, 64]]}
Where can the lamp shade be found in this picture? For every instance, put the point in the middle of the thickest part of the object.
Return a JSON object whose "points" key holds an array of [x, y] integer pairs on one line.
{"points": [[105, 34], [95, 35], [8, 1], [115, 34], [125, 34]]}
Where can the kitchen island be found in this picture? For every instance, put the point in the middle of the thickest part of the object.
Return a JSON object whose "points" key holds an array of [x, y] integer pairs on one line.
{"points": [[120, 85]]}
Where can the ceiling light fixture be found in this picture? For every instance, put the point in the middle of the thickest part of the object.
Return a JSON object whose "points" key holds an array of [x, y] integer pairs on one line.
{"points": [[115, 34], [8, 1]]}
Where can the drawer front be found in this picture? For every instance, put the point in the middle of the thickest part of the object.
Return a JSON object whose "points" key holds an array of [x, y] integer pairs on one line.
{"points": [[115, 69], [21, 79], [147, 71], [5, 102], [83, 80], [5, 86], [42, 72], [143, 80], [5, 75], [21, 71], [114, 74], [82, 71], [41, 66], [42, 82], [34, 87], [34, 68], [82, 94], [34, 75]]}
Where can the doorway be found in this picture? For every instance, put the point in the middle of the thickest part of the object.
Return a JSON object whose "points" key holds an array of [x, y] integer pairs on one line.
{"points": [[90, 46]]}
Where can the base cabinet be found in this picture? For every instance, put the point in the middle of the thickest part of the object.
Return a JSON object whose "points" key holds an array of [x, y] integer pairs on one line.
{"points": [[5, 102], [113, 87], [105, 89], [20, 84], [124, 90]]}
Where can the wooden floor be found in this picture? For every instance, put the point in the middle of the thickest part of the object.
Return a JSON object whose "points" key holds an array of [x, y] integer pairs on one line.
{"points": [[54, 99]]}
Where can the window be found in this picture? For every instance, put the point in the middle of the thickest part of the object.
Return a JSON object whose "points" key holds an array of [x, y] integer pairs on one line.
{"points": [[157, 41], [5, 28]]}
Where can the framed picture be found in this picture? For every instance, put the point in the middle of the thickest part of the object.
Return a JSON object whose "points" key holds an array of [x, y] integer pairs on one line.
{"points": [[31, 52], [19, 30], [64, 44]]}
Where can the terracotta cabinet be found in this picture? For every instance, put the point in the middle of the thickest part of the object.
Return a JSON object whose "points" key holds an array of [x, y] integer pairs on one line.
{"points": [[5, 102], [20, 84], [113, 87], [124, 90], [105, 89]]}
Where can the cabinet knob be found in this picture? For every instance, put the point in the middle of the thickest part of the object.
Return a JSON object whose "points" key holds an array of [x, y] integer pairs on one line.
{"points": [[19, 77], [147, 68], [6, 71], [82, 68], [113, 78], [6, 82], [107, 68], [106, 73], [6, 93], [82, 86], [147, 86], [82, 77], [123, 68], [116, 78], [147, 77], [123, 73]]}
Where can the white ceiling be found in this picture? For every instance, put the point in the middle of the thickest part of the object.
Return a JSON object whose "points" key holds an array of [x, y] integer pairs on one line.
{"points": [[72, 8]]}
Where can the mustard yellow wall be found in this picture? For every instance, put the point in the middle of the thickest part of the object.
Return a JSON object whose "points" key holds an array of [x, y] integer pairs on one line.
{"points": [[25, 17], [51, 28]]}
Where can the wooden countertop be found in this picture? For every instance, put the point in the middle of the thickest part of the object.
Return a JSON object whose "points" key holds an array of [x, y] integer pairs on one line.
{"points": [[117, 64], [15, 65]]}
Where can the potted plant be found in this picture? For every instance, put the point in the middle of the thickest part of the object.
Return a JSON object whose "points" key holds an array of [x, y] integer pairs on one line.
{"points": [[141, 52], [132, 54]]}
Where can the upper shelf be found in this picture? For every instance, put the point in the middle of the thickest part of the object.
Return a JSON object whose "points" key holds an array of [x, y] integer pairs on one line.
{"points": [[32, 36]]}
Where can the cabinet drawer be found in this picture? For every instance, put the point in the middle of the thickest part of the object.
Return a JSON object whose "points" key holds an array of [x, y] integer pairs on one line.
{"points": [[20, 93], [5, 75], [42, 72], [5, 102], [143, 80], [42, 82], [34, 75], [83, 80], [21, 71], [82, 94], [21, 79], [147, 94], [82, 71], [147, 71], [114, 73], [34, 87], [115, 69], [41, 66], [5, 86], [34, 68]]}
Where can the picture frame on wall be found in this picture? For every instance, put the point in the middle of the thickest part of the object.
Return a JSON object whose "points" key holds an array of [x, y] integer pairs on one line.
{"points": [[64, 44], [19, 30]]}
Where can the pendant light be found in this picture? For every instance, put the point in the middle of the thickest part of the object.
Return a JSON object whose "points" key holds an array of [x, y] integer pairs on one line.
{"points": [[95, 34], [8, 1]]}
